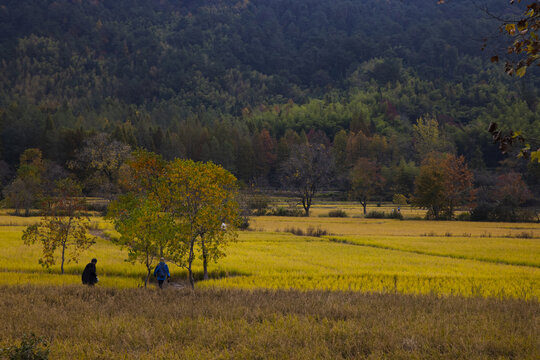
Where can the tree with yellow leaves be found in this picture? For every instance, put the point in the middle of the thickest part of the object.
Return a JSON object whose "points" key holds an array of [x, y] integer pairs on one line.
{"points": [[201, 197], [179, 210], [63, 227]]}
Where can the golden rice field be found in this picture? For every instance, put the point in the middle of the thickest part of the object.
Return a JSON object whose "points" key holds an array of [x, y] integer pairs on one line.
{"points": [[361, 255], [369, 289], [353, 209], [391, 227]]}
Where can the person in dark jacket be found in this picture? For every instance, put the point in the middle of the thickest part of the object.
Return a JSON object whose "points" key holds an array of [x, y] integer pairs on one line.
{"points": [[89, 275], [161, 272]]}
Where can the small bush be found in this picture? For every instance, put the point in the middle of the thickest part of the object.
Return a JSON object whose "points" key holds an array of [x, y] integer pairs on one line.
{"points": [[399, 199], [394, 214], [375, 215], [503, 212], [244, 223], [295, 231], [337, 214], [259, 212], [465, 216], [311, 231], [258, 204], [30, 348], [525, 235], [318, 232], [283, 211]]}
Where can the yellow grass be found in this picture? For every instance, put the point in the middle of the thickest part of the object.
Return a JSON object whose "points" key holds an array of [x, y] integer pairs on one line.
{"points": [[103, 323], [385, 227], [354, 209], [514, 251], [294, 306], [367, 255], [286, 261], [19, 263]]}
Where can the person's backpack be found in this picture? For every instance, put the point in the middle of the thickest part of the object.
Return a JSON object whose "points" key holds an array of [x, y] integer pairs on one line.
{"points": [[161, 272]]}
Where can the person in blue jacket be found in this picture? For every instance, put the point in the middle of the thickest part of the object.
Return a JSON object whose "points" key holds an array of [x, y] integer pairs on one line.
{"points": [[161, 272]]}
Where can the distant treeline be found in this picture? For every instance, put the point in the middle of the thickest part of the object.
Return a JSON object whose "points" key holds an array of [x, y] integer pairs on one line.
{"points": [[239, 82]]}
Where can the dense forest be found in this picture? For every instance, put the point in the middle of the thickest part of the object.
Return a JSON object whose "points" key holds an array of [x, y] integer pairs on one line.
{"points": [[242, 82]]}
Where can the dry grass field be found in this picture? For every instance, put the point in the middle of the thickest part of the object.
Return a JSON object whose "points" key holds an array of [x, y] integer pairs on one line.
{"points": [[107, 323], [370, 288]]}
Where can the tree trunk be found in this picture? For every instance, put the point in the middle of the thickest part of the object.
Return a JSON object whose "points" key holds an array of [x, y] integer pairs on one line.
{"points": [[190, 262], [451, 210], [205, 266], [63, 256], [305, 206], [364, 205], [148, 272], [205, 260], [306, 201], [436, 212]]}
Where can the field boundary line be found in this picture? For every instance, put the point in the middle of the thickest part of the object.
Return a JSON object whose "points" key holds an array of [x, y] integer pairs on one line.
{"points": [[421, 252]]}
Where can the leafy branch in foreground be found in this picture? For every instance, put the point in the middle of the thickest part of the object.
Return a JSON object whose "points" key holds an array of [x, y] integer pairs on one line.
{"points": [[526, 44], [524, 32], [512, 138]]}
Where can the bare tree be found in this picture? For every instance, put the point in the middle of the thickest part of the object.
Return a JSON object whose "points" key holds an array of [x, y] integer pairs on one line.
{"points": [[99, 162], [307, 170]]}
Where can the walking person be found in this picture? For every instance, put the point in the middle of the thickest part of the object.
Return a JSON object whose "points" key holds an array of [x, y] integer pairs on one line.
{"points": [[161, 272], [89, 275]]}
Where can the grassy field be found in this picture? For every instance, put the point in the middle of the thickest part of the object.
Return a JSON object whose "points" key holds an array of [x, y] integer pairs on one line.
{"points": [[367, 255], [106, 323], [370, 288]]}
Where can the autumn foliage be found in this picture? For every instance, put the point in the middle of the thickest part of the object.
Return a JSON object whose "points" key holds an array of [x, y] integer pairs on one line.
{"points": [[63, 226], [444, 183], [180, 210]]}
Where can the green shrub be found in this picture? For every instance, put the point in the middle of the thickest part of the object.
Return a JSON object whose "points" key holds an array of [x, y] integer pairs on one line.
{"points": [[283, 211], [244, 223], [258, 204], [295, 231], [525, 235], [30, 348], [311, 231], [337, 213], [465, 216], [394, 214], [317, 232], [399, 199], [375, 215]]}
